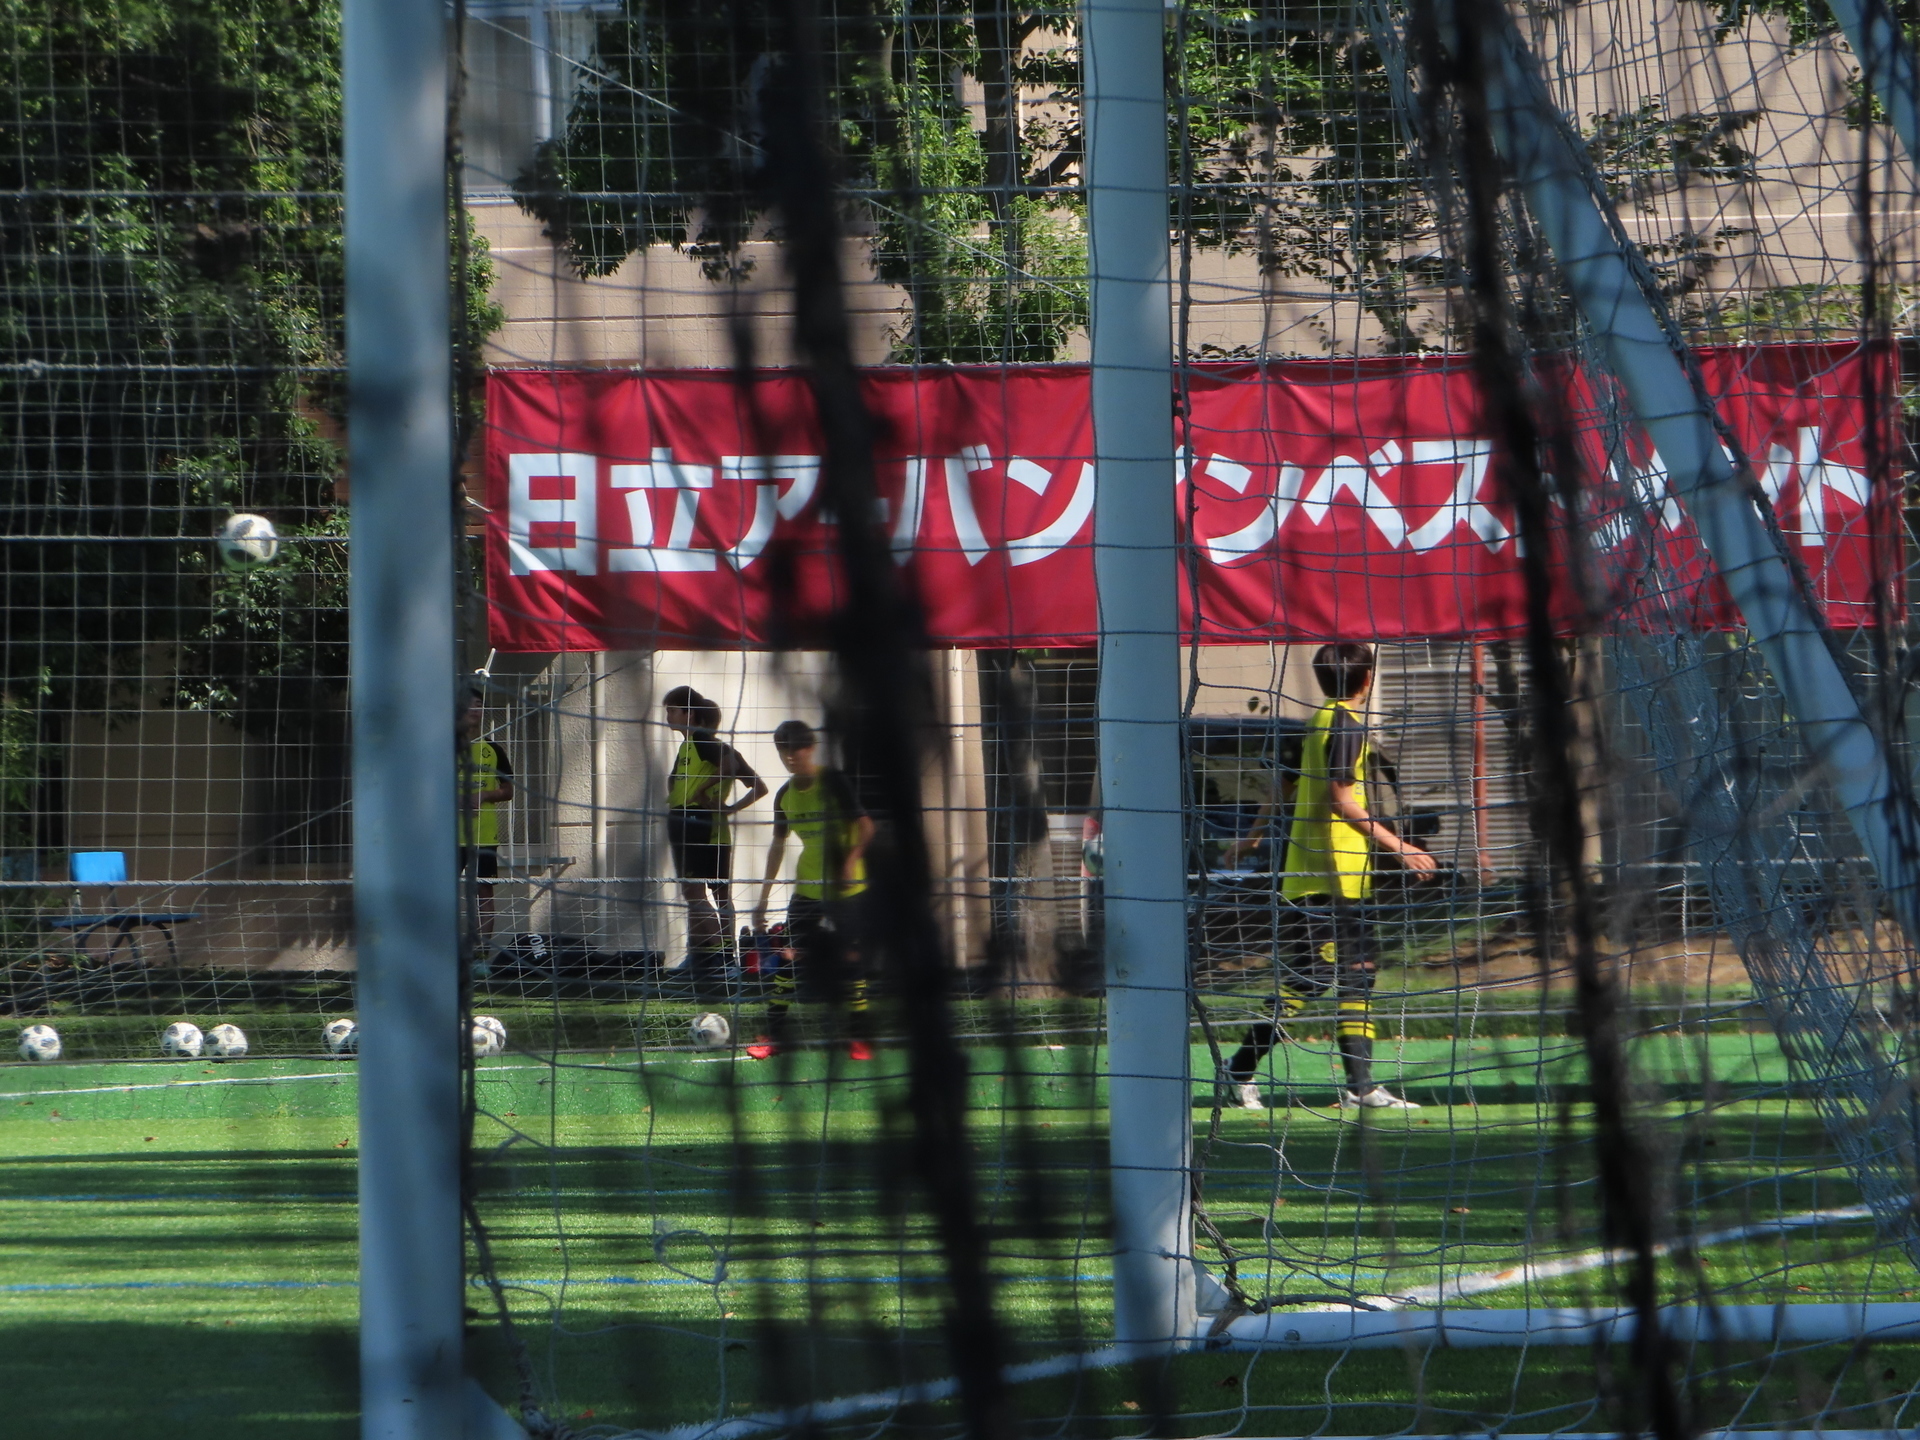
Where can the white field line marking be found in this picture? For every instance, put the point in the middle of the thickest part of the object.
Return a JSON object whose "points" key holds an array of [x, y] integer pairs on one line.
{"points": [[165, 1085], [345, 1072], [1465, 1285]]}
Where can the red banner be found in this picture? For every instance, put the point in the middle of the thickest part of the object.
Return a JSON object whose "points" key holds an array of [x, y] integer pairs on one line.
{"points": [[1318, 500]]}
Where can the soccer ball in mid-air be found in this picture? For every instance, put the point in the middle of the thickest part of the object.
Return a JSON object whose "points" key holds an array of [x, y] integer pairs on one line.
{"points": [[182, 1040], [226, 1042], [711, 1031], [39, 1042], [246, 541], [488, 1036], [342, 1037]]}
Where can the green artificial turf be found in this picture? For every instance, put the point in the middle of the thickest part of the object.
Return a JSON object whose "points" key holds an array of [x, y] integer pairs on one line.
{"points": [[1411, 1001], [693, 1236]]}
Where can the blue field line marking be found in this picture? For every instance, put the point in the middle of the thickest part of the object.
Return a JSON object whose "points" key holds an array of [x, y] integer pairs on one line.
{"points": [[542, 1195], [479, 1283], [55, 1289]]}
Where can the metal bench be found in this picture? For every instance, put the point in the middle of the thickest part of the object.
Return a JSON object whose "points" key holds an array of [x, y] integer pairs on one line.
{"points": [[126, 926]]}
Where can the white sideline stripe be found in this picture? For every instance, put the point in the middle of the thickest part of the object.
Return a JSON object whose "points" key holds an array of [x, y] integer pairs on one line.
{"points": [[166, 1085], [1465, 1285], [345, 1072], [348, 1070]]}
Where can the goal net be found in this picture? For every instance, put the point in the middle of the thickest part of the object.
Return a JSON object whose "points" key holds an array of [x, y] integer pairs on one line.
{"points": [[1547, 994]]}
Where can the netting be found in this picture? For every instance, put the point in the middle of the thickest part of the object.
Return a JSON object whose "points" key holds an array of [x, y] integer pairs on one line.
{"points": [[173, 760], [1563, 1085]]}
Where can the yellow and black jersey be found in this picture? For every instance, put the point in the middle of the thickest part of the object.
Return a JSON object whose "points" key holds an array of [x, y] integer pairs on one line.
{"points": [[705, 770], [1325, 854], [826, 815], [486, 767]]}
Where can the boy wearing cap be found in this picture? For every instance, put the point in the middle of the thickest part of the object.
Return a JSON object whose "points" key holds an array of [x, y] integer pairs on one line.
{"points": [[818, 805]]}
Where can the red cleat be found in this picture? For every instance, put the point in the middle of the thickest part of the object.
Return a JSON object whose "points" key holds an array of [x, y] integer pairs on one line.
{"points": [[859, 1050], [762, 1048]]}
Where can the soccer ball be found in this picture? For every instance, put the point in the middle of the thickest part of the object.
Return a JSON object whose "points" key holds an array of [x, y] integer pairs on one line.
{"points": [[39, 1042], [711, 1031], [488, 1036], [342, 1037], [226, 1042], [181, 1040], [246, 541]]}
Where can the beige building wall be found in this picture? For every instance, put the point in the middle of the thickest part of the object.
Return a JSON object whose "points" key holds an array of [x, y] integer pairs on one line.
{"points": [[187, 800], [585, 847]]}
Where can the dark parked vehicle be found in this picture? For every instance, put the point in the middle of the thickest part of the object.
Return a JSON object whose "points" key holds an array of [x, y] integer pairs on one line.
{"points": [[1243, 769]]}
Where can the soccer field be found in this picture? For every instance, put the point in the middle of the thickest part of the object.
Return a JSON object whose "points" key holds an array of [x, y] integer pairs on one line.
{"points": [[690, 1237]]}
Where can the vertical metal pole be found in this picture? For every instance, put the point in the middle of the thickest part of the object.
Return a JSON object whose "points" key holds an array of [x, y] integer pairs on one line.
{"points": [[1886, 60], [1482, 850], [540, 43], [1151, 1115], [1553, 174], [400, 379], [597, 788]]}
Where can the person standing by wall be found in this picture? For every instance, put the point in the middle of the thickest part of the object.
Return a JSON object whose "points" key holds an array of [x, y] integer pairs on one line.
{"points": [[699, 805], [488, 784]]}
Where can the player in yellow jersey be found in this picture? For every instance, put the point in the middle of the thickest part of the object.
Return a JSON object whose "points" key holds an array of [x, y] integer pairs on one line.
{"points": [[486, 784], [1331, 844], [699, 805], [825, 949]]}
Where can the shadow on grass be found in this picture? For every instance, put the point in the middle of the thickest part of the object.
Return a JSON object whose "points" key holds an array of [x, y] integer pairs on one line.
{"points": [[65, 1380], [604, 1373]]}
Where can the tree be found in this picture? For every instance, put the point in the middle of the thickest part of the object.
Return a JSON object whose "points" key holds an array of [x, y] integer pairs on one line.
{"points": [[171, 307], [170, 301], [663, 147], [171, 304], [1285, 145]]}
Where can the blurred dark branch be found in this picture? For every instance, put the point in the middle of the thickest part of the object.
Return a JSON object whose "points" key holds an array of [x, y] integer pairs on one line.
{"points": [[882, 660], [1625, 1168]]}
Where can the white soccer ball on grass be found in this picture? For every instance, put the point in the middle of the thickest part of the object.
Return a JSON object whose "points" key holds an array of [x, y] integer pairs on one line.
{"points": [[341, 1037], [39, 1042], [182, 1040], [711, 1031], [488, 1036], [246, 541], [226, 1042]]}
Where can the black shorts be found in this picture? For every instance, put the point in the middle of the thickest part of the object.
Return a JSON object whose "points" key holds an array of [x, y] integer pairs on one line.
{"points": [[1326, 943], [828, 948], [482, 860], [696, 856]]}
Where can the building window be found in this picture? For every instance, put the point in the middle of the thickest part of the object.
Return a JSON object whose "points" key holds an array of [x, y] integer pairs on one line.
{"points": [[524, 63]]}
